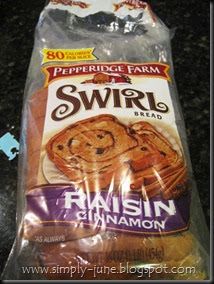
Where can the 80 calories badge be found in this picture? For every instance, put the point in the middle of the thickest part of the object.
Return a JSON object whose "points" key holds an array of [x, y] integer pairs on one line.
{"points": [[68, 55]]}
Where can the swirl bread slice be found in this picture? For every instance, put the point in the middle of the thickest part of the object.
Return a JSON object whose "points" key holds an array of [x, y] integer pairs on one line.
{"points": [[90, 147], [96, 152], [101, 152]]}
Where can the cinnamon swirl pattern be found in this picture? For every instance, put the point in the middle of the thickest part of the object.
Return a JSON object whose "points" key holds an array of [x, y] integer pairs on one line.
{"points": [[100, 152]]}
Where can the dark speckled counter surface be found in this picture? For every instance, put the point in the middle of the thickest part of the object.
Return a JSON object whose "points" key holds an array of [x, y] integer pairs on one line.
{"points": [[190, 47]]}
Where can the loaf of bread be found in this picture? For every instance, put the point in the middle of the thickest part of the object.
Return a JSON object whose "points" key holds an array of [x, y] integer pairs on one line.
{"points": [[94, 154], [105, 188]]}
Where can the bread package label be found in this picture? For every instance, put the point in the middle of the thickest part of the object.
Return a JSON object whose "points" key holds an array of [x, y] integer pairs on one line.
{"points": [[111, 156]]}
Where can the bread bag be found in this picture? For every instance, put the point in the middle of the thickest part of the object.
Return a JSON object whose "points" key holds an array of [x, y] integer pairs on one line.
{"points": [[106, 189]]}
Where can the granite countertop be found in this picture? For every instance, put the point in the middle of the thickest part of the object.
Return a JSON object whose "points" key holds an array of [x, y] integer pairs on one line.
{"points": [[190, 47]]}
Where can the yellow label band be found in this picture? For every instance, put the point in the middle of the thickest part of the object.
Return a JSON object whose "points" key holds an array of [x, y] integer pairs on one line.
{"points": [[68, 55]]}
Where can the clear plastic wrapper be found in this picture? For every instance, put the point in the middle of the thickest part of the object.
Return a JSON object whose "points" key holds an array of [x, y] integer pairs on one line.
{"points": [[106, 189]]}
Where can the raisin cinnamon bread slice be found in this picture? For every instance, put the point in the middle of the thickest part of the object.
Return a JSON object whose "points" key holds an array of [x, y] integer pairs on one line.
{"points": [[96, 152], [90, 147]]}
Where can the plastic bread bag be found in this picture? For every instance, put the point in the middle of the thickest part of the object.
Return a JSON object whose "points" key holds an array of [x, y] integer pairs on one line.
{"points": [[106, 189]]}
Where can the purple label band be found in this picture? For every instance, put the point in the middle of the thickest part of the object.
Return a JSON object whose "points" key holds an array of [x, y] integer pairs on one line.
{"points": [[65, 205]]}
